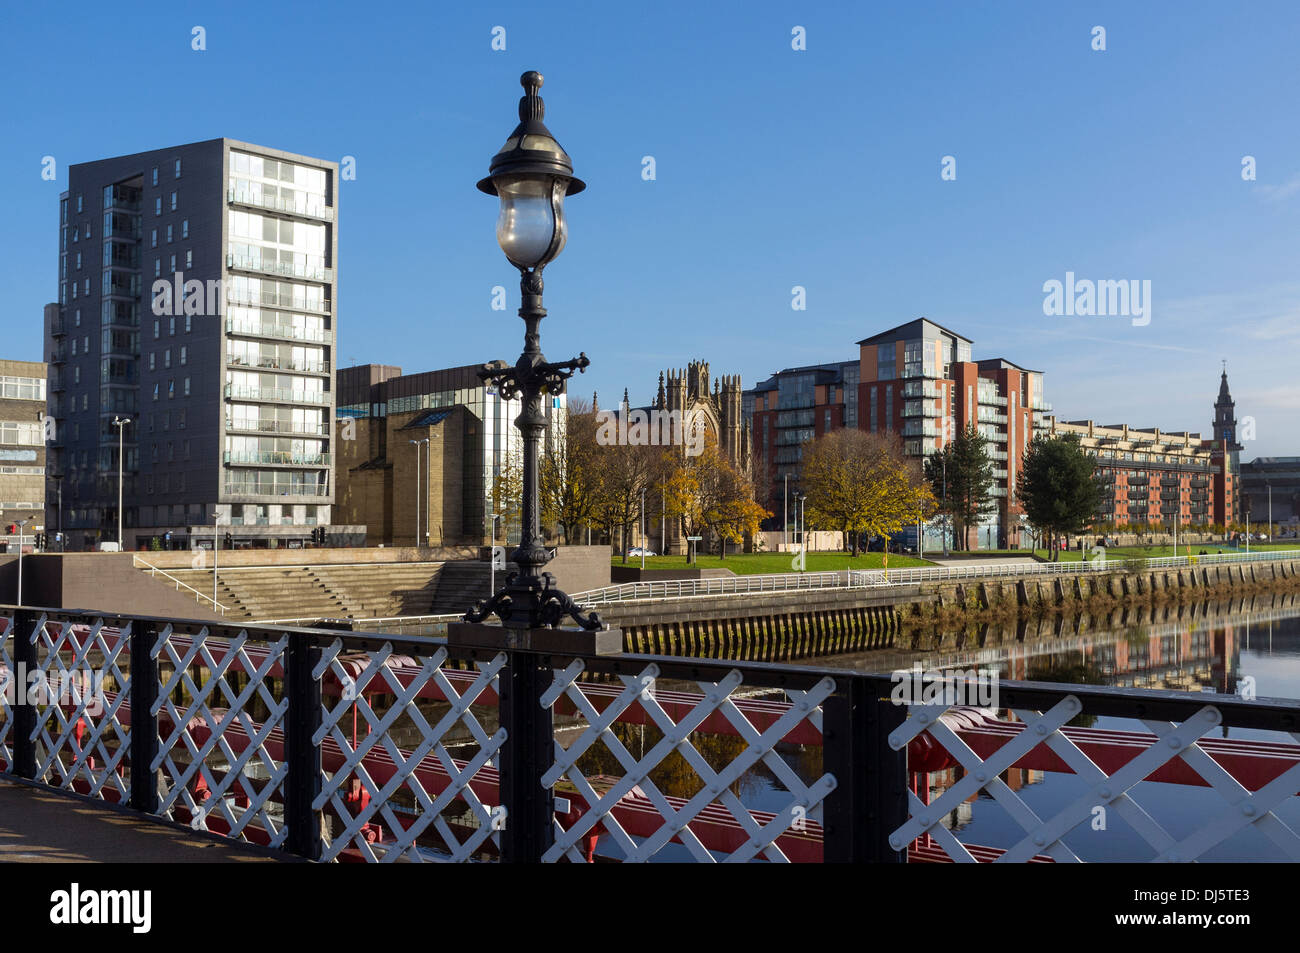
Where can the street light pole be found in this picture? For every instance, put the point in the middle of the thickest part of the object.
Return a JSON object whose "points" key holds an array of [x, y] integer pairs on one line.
{"points": [[643, 529], [944, 464], [216, 546], [120, 423], [418, 490], [785, 513], [492, 555], [22, 528], [530, 176]]}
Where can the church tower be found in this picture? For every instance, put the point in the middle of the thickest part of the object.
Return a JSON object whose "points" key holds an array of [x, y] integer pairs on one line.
{"points": [[1225, 414]]}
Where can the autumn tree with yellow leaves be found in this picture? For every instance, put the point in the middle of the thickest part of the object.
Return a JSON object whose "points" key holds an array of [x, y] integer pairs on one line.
{"points": [[710, 496], [860, 482]]}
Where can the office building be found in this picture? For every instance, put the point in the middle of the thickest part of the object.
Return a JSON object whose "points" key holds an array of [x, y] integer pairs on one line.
{"points": [[22, 450], [423, 457], [195, 329]]}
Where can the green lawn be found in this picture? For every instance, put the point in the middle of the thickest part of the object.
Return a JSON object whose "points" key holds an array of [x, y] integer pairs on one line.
{"points": [[747, 564]]}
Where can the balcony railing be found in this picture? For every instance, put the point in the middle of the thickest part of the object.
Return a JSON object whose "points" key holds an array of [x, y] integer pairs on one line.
{"points": [[277, 457], [287, 332], [279, 364], [284, 394], [276, 426], [276, 757], [278, 204], [282, 269], [274, 300]]}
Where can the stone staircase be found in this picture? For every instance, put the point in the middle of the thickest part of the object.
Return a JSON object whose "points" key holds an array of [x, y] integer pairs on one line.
{"points": [[462, 584], [322, 592]]}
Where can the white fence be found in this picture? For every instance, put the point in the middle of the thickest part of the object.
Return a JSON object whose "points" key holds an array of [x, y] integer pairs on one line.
{"points": [[862, 578]]}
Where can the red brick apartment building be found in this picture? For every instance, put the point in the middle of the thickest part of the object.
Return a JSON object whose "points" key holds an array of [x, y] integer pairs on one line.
{"points": [[919, 380]]}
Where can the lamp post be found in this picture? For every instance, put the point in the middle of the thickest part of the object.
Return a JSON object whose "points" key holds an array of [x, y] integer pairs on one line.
{"points": [[22, 529], [530, 176], [798, 529], [120, 423], [216, 545], [785, 513], [492, 555], [643, 529], [419, 491], [943, 460]]}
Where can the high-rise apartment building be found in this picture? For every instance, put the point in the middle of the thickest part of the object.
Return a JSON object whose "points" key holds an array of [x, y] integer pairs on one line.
{"points": [[918, 380], [195, 329]]}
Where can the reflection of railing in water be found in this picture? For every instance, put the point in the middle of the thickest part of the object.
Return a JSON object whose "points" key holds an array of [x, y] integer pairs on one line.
{"points": [[277, 724]]}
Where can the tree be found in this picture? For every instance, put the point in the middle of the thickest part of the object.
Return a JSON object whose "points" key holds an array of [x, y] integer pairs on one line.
{"points": [[859, 482], [625, 470], [963, 464], [707, 492], [1057, 486], [569, 476], [508, 491]]}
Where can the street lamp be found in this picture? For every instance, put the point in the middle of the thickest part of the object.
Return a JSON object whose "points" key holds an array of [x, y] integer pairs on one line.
{"points": [[643, 529], [22, 529], [120, 423], [799, 497], [530, 176], [216, 545], [419, 491]]}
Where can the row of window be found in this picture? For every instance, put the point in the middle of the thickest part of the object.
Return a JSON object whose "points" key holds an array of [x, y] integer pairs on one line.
{"points": [[183, 357], [171, 267], [176, 173], [21, 433], [22, 388], [171, 388], [185, 233]]}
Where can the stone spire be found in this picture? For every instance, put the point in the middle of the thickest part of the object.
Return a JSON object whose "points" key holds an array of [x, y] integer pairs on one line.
{"points": [[661, 398]]}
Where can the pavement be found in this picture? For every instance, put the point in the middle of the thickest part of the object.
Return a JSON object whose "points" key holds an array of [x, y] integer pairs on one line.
{"points": [[44, 828], [983, 560]]}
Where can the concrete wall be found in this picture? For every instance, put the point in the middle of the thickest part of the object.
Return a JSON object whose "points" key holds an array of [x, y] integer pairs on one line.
{"points": [[100, 582]]}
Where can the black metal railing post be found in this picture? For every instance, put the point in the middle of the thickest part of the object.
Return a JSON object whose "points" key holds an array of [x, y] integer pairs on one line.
{"points": [[303, 782], [526, 755], [870, 797], [25, 663], [144, 720]]}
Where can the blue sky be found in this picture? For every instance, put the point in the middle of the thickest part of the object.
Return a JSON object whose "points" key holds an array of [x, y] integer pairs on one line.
{"points": [[775, 168]]}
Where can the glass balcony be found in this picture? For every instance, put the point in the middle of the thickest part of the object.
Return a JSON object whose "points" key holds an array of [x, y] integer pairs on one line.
{"points": [[279, 364], [286, 332], [276, 427], [284, 394], [299, 206], [236, 488], [278, 457], [283, 269], [271, 299]]}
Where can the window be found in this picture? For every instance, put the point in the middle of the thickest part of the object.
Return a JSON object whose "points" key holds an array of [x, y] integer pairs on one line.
{"points": [[153, 238], [187, 323], [155, 391], [185, 444], [171, 388], [167, 358], [74, 347], [171, 326], [178, 168], [157, 205], [173, 201], [184, 354], [189, 258], [169, 234], [167, 421], [157, 267], [76, 320], [180, 425], [185, 228], [76, 375], [87, 229], [76, 232], [156, 326], [171, 452], [155, 175], [79, 260], [172, 267], [78, 201], [152, 361], [187, 387], [85, 343], [85, 401]]}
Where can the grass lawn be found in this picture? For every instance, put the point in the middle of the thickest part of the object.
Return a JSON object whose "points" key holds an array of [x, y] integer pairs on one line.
{"points": [[747, 564], [1149, 552]]}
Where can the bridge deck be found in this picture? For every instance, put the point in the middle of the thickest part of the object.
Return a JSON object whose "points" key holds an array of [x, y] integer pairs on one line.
{"points": [[40, 827]]}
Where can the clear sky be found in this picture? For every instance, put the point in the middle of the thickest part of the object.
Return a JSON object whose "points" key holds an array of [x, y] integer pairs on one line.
{"points": [[819, 168]]}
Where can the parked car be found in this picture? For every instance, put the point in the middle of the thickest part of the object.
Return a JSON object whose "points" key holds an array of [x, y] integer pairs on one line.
{"points": [[638, 551]]}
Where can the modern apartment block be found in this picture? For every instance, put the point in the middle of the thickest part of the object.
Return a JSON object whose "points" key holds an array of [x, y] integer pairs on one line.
{"points": [[196, 308], [917, 380], [420, 454], [22, 450]]}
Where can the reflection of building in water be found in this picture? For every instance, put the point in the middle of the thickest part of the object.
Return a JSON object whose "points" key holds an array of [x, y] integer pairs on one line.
{"points": [[958, 818]]}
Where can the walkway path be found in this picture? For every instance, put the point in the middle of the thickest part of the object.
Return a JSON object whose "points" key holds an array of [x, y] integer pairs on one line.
{"points": [[41, 827]]}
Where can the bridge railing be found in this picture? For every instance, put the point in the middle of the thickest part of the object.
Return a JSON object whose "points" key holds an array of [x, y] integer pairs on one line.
{"points": [[855, 578], [355, 746]]}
